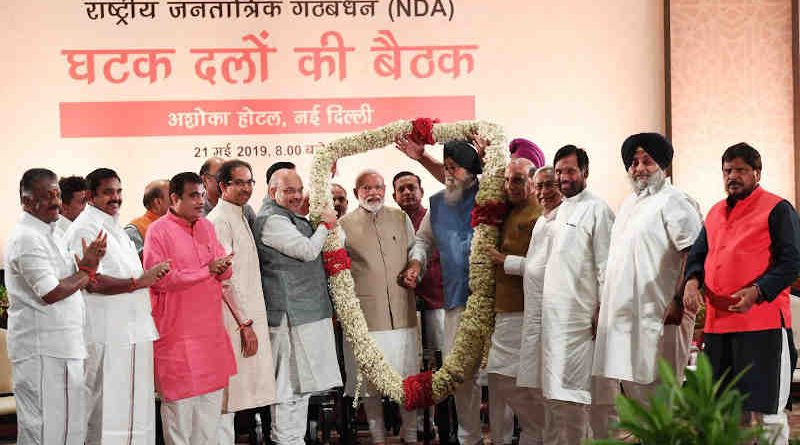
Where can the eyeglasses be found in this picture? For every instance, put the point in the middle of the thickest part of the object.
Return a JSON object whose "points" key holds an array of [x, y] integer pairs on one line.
{"points": [[241, 183], [544, 185]]}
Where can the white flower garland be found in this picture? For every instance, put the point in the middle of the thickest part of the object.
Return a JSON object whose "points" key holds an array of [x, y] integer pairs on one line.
{"points": [[477, 322]]}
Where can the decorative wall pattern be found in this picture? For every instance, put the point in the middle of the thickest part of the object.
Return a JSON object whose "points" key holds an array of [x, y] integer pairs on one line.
{"points": [[731, 81]]}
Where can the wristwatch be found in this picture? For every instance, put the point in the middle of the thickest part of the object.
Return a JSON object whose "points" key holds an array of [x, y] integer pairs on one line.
{"points": [[246, 323]]}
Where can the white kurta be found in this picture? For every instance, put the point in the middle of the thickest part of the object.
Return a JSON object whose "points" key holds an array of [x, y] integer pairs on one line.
{"points": [[571, 294], [63, 224], [254, 383], [36, 259], [652, 229], [400, 348], [304, 356], [532, 268], [120, 319], [119, 333], [45, 341]]}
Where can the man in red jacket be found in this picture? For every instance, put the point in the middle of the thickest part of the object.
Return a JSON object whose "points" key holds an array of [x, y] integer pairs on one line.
{"points": [[745, 259]]}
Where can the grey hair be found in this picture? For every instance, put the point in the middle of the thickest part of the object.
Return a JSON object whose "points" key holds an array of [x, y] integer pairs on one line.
{"points": [[369, 171], [521, 161], [278, 175], [543, 169]]}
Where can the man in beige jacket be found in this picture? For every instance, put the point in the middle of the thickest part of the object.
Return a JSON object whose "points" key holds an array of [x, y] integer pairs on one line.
{"points": [[378, 241], [246, 315]]}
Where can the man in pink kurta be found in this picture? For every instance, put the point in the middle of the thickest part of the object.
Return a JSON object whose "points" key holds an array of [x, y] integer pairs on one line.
{"points": [[193, 356]]}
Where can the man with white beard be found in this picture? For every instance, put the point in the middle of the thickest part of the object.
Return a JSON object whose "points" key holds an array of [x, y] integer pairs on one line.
{"points": [[641, 316], [447, 226], [378, 240]]}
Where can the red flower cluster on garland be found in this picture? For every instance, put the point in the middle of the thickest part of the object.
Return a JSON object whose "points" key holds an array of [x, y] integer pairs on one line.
{"points": [[418, 391], [422, 130], [492, 213], [335, 261]]}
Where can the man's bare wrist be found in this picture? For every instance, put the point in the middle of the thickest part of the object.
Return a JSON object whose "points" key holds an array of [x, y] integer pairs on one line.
{"points": [[759, 294]]}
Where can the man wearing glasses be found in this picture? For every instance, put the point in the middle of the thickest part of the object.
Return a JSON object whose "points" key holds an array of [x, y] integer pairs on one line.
{"points": [[208, 173], [509, 303], [245, 315], [531, 268]]}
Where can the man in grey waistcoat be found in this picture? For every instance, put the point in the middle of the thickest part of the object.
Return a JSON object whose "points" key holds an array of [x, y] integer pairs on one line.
{"points": [[298, 306]]}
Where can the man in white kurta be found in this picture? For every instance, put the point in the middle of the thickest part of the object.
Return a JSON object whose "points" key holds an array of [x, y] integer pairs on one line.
{"points": [[571, 296], [119, 328], [656, 226], [45, 318], [532, 268], [298, 306], [246, 316]]}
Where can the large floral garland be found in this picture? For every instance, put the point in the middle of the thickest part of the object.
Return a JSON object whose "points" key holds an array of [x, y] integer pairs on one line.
{"points": [[477, 321]]}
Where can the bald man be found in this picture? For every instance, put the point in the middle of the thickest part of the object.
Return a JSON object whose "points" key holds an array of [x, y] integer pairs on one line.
{"points": [[208, 173], [156, 201], [299, 309], [515, 237], [339, 195]]}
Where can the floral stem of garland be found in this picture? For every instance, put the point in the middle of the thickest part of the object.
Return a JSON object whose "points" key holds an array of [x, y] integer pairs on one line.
{"points": [[477, 321]]}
